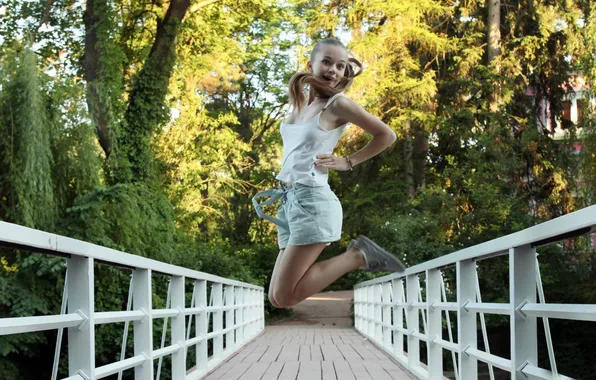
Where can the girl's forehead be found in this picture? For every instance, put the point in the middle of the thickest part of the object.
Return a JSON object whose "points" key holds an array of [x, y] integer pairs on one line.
{"points": [[335, 52]]}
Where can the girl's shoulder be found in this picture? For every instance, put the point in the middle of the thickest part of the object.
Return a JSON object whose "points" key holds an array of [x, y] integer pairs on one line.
{"points": [[342, 103]]}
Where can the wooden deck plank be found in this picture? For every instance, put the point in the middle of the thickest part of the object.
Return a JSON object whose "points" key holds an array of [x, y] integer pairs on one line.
{"points": [[304, 355], [307, 353], [330, 352], [343, 370], [328, 371], [359, 370], [220, 371], [256, 354], [272, 353], [309, 370], [236, 371], [290, 370], [316, 353], [255, 372], [288, 354], [273, 371]]}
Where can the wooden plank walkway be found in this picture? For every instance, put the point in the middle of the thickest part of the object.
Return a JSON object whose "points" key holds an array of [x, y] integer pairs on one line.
{"points": [[309, 353]]}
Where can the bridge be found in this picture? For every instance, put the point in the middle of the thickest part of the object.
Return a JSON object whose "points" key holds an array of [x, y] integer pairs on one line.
{"points": [[395, 317]]}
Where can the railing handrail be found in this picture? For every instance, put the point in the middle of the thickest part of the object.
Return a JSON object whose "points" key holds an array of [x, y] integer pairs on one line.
{"points": [[576, 223], [16, 236]]}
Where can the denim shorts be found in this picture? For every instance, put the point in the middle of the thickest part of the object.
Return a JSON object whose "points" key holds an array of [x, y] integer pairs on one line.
{"points": [[308, 215]]}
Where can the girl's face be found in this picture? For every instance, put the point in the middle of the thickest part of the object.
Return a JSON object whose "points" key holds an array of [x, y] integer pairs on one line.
{"points": [[329, 63]]}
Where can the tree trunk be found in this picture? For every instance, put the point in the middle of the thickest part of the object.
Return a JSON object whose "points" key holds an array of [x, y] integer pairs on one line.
{"points": [[420, 147], [408, 160], [494, 43], [98, 108], [146, 108]]}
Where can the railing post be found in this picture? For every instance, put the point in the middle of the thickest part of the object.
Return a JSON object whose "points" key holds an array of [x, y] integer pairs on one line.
{"points": [[435, 325], [81, 299], [398, 316], [238, 312], [522, 290], [358, 308], [466, 320], [245, 314], [413, 322], [143, 329], [202, 323], [262, 295], [216, 289], [387, 315], [378, 333], [229, 302], [178, 327], [251, 312], [370, 313]]}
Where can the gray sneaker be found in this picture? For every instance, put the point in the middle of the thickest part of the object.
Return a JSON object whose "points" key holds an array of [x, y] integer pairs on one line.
{"points": [[376, 258]]}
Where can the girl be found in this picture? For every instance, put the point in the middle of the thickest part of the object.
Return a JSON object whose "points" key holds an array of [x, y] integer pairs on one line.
{"points": [[310, 215]]}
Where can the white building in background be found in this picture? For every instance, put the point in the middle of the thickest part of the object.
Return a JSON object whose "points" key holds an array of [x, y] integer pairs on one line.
{"points": [[575, 103]]}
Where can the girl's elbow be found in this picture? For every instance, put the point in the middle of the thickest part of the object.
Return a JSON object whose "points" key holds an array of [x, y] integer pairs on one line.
{"points": [[392, 137]]}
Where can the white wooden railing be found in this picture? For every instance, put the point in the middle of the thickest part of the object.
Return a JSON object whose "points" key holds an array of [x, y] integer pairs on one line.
{"points": [[381, 305], [240, 303]]}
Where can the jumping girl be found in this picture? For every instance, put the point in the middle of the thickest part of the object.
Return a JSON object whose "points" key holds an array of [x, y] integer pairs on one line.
{"points": [[310, 215]]}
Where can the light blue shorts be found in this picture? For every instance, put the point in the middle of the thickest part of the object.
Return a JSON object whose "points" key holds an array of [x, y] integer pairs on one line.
{"points": [[306, 214]]}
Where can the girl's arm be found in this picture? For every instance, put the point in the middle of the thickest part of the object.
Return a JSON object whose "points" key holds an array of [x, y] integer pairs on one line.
{"points": [[346, 111]]}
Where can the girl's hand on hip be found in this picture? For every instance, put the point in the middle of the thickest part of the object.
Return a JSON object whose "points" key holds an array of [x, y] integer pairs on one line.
{"points": [[332, 162]]}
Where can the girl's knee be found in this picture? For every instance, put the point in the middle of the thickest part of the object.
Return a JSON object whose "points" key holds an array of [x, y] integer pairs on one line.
{"points": [[284, 299], [273, 302]]}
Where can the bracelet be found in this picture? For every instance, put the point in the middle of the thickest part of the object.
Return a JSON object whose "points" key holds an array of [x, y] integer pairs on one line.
{"points": [[351, 167]]}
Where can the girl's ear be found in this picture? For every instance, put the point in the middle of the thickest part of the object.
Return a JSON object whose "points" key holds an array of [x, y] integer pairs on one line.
{"points": [[309, 66]]}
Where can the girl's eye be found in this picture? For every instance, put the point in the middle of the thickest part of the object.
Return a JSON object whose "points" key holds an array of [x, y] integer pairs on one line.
{"points": [[341, 67], [325, 61]]}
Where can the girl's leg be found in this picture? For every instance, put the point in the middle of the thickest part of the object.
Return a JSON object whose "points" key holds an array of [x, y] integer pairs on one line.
{"points": [[274, 279], [299, 277]]}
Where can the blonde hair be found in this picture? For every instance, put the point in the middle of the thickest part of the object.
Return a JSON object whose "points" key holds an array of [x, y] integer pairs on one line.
{"points": [[319, 86]]}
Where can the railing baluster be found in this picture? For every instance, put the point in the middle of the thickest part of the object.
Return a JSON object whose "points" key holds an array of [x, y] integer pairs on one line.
{"points": [[163, 332], [143, 329], [435, 324], [177, 302], [202, 323], [60, 330], [238, 292], [398, 336], [387, 315], [378, 329], [491, 370], [126, 324], [413, 323], [422, 311], [522, 289], [251, 312], [549, 341], [466, 320], [359, 309], [245, 314], [229, 302], [81, 299], [216, 291], [449, 329]]}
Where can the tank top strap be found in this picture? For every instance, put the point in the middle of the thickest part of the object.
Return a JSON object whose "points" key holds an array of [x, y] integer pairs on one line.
{"points": [[331, 100]]}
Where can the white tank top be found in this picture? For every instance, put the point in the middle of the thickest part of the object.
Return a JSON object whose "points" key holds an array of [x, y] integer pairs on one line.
{"points": [[302, 143]]}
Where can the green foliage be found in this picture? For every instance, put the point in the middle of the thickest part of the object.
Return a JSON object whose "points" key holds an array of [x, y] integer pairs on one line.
{"points": [[26, 155], [127, 217]]}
